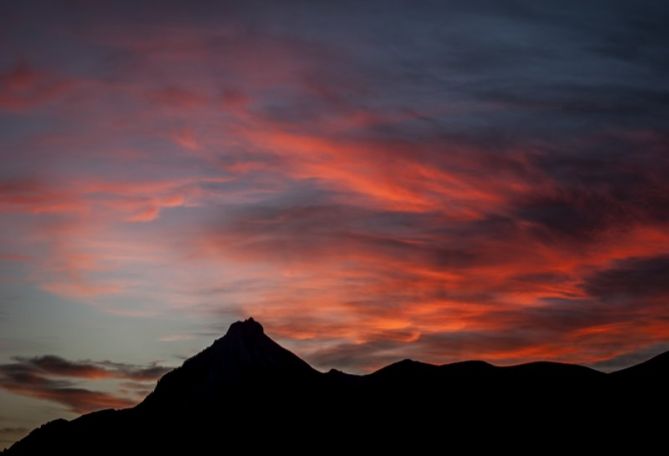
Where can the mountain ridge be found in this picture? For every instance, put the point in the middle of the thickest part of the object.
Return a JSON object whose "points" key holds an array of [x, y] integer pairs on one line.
{"points": [[244, 378]]}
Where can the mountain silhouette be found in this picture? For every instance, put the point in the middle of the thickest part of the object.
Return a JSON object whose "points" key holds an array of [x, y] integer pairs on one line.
{"points": [[247, 392], [244, 358]]}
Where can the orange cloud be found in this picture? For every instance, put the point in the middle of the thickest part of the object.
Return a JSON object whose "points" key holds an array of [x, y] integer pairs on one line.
{"points": [[360, 227], [390, 175]]}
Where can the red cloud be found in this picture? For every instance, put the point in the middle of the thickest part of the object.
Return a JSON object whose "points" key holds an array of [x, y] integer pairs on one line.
{"points": [[177, 97], [24, 87], [351, 220]]}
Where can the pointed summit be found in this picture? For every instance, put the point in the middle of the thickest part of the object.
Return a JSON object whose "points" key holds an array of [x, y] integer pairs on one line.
{"points": [[245, 359], [245, 328]]}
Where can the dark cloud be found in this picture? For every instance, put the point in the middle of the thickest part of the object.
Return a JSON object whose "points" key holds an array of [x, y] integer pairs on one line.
{"points": [[573, 215], [51, 377], [57, 366], [610, 183], [296, 232], [54, 365], [631, 278], [24, 380]]}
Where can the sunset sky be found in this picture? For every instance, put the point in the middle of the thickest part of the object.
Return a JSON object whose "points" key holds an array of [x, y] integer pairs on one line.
{"points": [[371, 180]]}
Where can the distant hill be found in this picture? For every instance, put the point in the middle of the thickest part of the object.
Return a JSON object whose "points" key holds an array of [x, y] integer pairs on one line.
{"points": [[247, 390]]}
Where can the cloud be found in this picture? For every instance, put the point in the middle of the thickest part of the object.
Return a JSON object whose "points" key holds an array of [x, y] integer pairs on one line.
{"points": [[55, 365], [594, 332], [50, 377], [22, 380], [631, 278], [9, 435], [427, 276], [36, 197], [23, 87], [79, 218], [177, 97], [130, 201], [598, 188], [467, 180]]}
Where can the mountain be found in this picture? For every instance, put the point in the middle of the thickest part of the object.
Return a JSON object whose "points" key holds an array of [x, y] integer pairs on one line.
{"points": [[244, 359], [246, 391]]}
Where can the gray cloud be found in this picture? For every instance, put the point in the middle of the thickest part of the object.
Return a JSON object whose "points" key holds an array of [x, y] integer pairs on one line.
{"points": [[53, 378], [632, 278]]}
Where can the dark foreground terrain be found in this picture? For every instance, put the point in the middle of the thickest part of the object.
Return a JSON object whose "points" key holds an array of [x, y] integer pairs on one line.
{"points": [[245, 393]]}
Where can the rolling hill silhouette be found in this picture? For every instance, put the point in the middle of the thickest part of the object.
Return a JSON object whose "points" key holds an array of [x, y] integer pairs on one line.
{"points": [[247, 390]]}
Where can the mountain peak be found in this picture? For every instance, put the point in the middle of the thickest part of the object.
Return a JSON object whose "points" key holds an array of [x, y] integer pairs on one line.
{"points": [[245, 359], [243, 334], [248, 327]]}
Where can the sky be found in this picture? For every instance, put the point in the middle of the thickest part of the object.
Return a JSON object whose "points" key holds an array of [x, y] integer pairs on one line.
{"points": [[371, 180]]}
